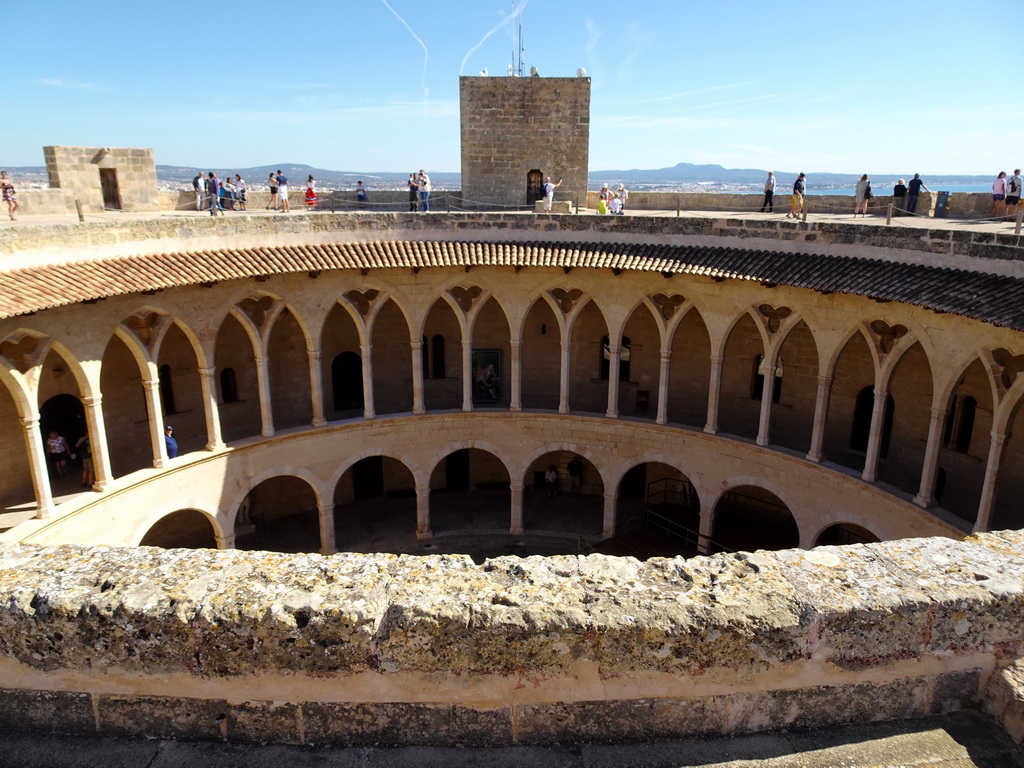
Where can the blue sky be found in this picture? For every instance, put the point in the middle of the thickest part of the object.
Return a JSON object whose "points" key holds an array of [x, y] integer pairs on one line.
{"points": [[372, 85]]}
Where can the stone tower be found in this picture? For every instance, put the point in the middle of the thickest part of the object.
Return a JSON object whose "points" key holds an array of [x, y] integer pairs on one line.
{"points": [[516, 131]]}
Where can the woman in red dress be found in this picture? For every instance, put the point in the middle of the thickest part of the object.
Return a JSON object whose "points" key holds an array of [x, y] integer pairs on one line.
{"points": [[310, 193]]}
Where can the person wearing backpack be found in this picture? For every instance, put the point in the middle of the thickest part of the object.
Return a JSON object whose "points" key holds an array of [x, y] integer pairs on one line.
{"points": [[84, 450], [1013, 187]]}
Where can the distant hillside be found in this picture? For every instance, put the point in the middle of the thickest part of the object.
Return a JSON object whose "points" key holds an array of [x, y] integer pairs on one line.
{"points": [[688, 173]]}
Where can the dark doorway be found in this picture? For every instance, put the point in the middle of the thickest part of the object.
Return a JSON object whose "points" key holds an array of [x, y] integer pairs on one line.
{"points": [[111, 194], [368, 478], [456, 470], [861, 430], [534, 187], [347, 381], [65, 415]]}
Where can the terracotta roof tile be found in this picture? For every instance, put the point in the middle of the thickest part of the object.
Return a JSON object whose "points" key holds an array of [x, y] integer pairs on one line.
{"points": [[991, 298]]}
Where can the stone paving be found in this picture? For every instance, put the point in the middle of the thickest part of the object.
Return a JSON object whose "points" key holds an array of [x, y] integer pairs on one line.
{"points": [[962, 740]]}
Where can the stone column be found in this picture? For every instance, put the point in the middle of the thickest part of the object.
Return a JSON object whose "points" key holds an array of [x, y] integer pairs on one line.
{"points": [[97, 442], [417, 378], [563, 376], [316, 387], [36, 450], [987, 502], [870, 473], [423, 513], [608, 526], [325, 513], [663, 374], [227, 541], [366, 350], [516, 521], [151, 387], [515, 375], [467, 375], [707, 524], [614, 356], [764, 425], [929, 471], [714, 393], [266, 407], [820, 416], [214, 439]]}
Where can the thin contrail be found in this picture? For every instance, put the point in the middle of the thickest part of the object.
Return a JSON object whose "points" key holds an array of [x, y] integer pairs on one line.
{"points": [[490, 32], [426, 53]]}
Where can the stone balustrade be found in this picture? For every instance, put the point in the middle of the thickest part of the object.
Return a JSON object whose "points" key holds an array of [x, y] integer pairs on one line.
{"points": [[366, 649]]}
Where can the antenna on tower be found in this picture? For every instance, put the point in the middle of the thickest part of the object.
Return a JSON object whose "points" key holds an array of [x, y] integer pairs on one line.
{"points": [[515, 69]]}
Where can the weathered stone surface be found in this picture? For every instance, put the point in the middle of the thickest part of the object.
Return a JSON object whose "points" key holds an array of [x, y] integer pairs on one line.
{"points": [[366, 724], [55, 711], [162, 716], [636, 720]]}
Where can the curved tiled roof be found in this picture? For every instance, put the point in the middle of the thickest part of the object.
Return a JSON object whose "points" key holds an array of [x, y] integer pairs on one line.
{"points": [[991, 298]]}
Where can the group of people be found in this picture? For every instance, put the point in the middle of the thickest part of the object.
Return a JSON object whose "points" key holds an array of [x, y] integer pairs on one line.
{"points": [[419, 191], [217, 195], [904, 195], [1006, 193], [612, 202], [59, 454]]}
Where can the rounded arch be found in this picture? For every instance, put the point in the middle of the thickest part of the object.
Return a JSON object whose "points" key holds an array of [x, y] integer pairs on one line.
{"points": [[280, 513], [657, 511], [750, 514], [840, 534], [301, 473], [182, 529], [207, 508]]}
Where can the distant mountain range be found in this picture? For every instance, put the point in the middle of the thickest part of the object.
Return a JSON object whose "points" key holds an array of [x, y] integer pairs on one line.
{"points": [[689, 175]]}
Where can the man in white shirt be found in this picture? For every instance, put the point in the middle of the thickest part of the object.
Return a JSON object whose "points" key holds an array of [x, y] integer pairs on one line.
{"points": [[549, 192], [769, 193], [1013, 187]]}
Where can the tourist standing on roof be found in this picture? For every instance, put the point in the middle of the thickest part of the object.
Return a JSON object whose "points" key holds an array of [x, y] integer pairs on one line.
{"points": [[998, 193], [862, 194], [213, 192], [241, 188], [170, 443], [549, 193], [796, 207], [310, 193], [275, 200], [913, 191], [414, 191], [423, 182], [623, 194], [7, 190], [899, 195], [604, 196], [360, 195], [197, 187], [282, 190], [769, 193], [1013, 187]]}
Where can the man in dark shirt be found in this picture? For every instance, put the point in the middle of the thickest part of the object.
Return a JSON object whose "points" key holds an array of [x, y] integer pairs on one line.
{"points": [[796, 207], [913, 190], [198, 187], [170, 442], [213, 191]]}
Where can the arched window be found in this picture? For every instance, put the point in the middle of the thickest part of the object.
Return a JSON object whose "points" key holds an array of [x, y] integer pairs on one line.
{"points": [[347, 381], [228, 386], [425, 357], [861, 430], [624, 355], [166, 389], [965, 425], [757, 385], [437, 370]]}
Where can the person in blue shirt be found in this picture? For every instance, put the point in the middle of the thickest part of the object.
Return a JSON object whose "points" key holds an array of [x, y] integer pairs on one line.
{"points": [[170, 442], [797, 206], [913, 191]]}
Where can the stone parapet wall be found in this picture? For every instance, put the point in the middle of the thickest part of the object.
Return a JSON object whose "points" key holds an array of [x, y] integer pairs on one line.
{"points": [[357, 649], [258, 197], [117, 236]]}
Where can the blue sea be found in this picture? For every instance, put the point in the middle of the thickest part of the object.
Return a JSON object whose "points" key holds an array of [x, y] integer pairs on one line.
{"points": [[886, 188]]}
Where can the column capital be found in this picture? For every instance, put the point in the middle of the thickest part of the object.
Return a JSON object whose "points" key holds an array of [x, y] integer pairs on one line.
{"points": [[208, 372], [416, 345], [29, 423], [999, 438], [515, 343], [825, 381], [93, 401], [717, 359], [314, 354], [150, 384], [938, 413]]}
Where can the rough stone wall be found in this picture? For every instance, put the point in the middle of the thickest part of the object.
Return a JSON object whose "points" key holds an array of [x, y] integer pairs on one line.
{"points": [[512, 125], [75, 171], [417, 650]]}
